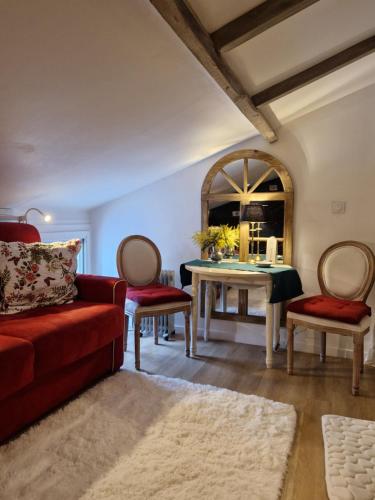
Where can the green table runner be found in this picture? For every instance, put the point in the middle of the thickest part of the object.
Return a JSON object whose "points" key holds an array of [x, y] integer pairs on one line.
{"points": [[286, 283]]}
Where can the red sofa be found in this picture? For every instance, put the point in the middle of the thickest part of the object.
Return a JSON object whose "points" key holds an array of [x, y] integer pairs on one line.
{"points": [[49, 354]]}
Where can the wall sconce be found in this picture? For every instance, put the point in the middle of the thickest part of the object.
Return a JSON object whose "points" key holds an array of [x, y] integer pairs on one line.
{"points": [[23, 218], [46, 217]]}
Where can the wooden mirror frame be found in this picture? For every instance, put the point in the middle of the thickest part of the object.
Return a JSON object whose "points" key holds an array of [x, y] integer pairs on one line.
{"points": [[244, 196]]}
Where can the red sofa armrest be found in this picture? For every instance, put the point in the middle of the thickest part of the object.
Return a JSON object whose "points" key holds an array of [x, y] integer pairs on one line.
{"points": [[101, 289]]}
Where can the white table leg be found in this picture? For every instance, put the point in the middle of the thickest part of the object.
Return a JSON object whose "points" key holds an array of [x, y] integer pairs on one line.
{"points": [[194, 312], [269, 326], [276, 324], [223, 298], [207, 309]]}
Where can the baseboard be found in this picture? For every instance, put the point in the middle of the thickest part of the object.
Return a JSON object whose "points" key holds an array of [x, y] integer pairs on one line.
{"points": [[305, 340], [313, 347]]}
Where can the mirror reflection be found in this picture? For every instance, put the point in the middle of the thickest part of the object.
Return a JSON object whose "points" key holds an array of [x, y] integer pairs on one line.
{"points": [[251, 191]]}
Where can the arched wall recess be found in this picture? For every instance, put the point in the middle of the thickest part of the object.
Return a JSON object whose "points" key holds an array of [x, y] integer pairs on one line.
{"points": [[241, 178]]}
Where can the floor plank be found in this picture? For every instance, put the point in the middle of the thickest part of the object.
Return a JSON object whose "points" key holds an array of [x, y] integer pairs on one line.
{"points": [[315, 389]]}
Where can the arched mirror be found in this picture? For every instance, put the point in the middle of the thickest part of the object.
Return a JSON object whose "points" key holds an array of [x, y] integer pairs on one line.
{"points": [[252, 190]]}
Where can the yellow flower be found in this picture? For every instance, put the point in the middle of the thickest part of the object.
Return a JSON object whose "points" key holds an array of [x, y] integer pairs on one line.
{"points": [[219, 237]]}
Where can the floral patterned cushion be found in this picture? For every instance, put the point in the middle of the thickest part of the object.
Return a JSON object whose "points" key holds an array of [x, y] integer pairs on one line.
{"points": [[37, 274]]}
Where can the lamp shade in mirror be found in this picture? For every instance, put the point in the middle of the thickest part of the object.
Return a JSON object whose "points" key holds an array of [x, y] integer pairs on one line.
{"points": [[254, 212]]}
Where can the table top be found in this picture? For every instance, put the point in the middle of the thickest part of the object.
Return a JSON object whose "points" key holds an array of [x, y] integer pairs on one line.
{"points": [[224, 272], [220, 271], [283, 280]]}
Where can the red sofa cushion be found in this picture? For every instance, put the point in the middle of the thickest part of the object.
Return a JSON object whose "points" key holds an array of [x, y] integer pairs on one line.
{"points": [[16, 365], [101, 289], [13, 231], [321, 306], [151, 295], [63, 334], [48, 392]]}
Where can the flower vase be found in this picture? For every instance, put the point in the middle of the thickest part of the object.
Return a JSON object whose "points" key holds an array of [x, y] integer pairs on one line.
{"points": [[216, 255]]}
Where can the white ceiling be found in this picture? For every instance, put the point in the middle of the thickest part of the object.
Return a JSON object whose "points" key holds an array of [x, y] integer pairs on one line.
{"points": [[302, 40], [215, 13], [315, 33], [100, 98]]}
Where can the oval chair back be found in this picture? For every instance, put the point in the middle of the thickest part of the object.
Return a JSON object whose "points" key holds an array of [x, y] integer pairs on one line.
{"points": [[346, 270], [138, 261]]}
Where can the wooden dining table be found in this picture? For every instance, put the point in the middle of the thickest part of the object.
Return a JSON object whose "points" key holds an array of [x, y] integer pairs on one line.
{"points": [[241, 279]]}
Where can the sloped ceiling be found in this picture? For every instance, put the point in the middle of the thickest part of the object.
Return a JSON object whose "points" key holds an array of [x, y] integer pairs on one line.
{"points": [[100, 98], [315, 33]]}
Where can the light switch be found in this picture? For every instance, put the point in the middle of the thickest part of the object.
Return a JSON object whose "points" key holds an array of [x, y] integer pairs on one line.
{"points": [[338, 207]]}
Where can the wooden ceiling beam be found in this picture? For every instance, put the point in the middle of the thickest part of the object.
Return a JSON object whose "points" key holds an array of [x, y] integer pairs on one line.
{"points": [[180, 18], [309, 75], [255, 21]]}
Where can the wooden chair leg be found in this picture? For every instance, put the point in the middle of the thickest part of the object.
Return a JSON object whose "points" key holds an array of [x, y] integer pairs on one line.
{"points": [[187, 333], [155, 320], [290, 328], [357, 362], [126, 331], [137, 343], [363, 358], [323, 343]]}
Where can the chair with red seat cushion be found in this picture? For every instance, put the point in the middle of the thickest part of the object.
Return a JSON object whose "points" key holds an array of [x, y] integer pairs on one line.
{"points": [[323, 306], [346, 274], [157, 293], [139, 262]]}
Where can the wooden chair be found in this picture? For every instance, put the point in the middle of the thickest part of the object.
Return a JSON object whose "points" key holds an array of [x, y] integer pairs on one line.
{"points": [[139, 262], [346, 274]]}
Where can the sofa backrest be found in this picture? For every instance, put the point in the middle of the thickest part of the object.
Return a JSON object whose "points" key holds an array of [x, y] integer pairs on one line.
{"points": [[15, 231]]}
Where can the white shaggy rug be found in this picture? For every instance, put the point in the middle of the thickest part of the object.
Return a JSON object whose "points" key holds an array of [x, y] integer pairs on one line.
{"points": [[135, 436], [349, 448]]}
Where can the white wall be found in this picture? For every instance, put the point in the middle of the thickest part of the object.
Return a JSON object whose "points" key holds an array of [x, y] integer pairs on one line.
{"points": [[64, 225], [330, 155]]}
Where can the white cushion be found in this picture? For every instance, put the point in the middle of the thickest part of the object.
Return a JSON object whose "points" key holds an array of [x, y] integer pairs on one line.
{"points": [[345, 270], [139, 262], [132, 307]]}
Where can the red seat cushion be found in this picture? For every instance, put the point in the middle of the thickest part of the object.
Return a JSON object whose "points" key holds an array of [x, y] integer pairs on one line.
{"points": [[151, 295], [63, 334], [16, 365], [321, 306]]}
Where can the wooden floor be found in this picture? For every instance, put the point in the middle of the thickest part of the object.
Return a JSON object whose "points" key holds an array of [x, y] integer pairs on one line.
{"points": [[315, 389]]}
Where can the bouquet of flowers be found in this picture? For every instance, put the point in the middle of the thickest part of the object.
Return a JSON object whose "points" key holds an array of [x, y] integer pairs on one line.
{"points": [[218, 238]]}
